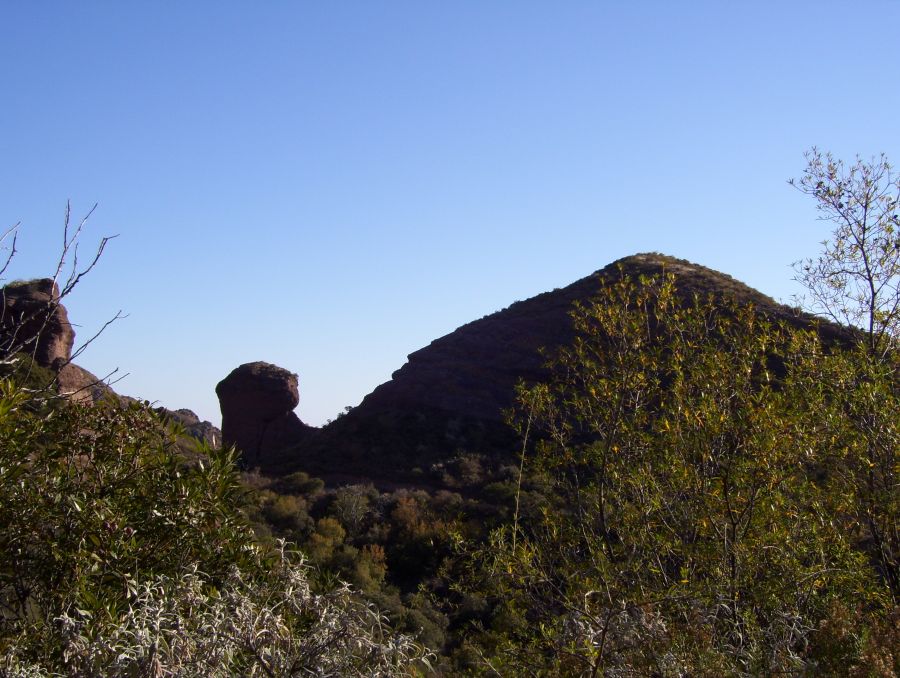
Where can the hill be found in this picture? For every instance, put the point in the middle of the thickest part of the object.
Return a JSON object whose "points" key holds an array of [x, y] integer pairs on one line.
{"points": [[449, 399]]}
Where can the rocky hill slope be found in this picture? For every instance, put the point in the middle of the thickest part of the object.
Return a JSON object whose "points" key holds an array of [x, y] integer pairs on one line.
{"points": [[449, 398]]}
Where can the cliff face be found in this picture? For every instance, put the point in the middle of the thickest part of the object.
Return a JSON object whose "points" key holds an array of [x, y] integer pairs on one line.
{"points": [[33, 321], [450, 396]]}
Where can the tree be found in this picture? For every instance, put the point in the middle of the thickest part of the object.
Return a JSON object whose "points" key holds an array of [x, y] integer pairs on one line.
{"points": [[856, 280], [686, 534]]}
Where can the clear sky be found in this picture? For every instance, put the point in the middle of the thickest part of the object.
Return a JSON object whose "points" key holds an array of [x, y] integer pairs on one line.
{"points": [[330, 186]]}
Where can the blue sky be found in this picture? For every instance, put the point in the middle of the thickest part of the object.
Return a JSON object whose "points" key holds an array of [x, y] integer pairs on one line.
{"points": [[331, 186]]}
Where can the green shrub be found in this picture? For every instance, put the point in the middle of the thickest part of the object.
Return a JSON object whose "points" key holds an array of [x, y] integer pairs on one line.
{"points": [[120, 558], [23, 371]]}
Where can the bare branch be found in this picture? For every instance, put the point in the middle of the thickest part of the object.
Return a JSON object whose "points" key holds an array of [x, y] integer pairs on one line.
{"points": [[22, 329], [14, 232], [81, 349], [856, 278]]}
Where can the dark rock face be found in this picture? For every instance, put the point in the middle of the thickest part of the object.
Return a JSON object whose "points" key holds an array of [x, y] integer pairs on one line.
{"points": [[34, 322], [472, 371], [451, 395], [257, 402]]}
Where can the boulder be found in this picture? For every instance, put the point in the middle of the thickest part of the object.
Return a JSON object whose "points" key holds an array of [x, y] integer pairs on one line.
{"points": [[35, 322], [257, 402]]}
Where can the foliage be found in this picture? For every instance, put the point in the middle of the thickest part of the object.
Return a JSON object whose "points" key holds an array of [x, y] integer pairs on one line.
{"points": [[25, 372], [118, 557], [389, 545], [263, 626], [689, 533], [856, 278], [92, 495], [854, 397]]}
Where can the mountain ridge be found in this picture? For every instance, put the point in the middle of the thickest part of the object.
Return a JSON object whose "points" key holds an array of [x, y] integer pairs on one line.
{"points": [[448, 399]]}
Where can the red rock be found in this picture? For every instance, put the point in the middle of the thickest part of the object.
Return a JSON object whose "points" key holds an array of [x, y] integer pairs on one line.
{"points": [[257, 401], [450, 397], [35, 322]]}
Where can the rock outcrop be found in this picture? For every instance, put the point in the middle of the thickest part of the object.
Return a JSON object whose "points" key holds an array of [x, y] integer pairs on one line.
{"points": [[451, 395], [35, 322], [193, 425], [81, 385], [257, 402]]}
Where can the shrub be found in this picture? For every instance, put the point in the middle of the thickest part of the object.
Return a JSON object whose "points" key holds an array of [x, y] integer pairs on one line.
{"points": [[120, 558], [273, 626]]}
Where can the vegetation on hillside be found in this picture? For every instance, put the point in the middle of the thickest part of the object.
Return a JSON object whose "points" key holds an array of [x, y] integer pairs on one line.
{"points": [[120, 555], [703, 489], [700, 489], [696, 527], [119, 558], [726, 496]]}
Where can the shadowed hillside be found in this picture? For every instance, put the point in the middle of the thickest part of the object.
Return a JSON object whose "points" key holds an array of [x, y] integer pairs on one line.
{"points": [[449, 398]]}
